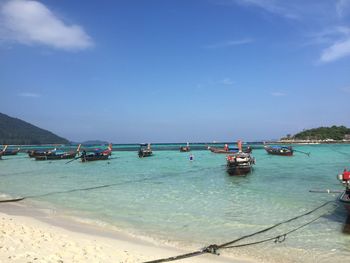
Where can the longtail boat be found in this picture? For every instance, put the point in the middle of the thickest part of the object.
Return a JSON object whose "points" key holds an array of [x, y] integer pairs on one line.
{"points": [[2, 151], [11, 152], [279, 150], [239, 163], [344, 197], [96, 155], [185, 148], [55, 155], [230, 150], [145, 150], [35, 153]]}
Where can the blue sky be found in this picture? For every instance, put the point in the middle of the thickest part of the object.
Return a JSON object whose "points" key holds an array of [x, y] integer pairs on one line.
{"points": [[175, 71]]}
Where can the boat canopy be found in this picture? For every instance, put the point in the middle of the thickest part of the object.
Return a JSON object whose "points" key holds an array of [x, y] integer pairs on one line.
{"points": [[279, 147]]}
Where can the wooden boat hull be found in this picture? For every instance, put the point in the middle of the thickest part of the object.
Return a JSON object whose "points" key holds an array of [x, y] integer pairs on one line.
{"points": [[63, 156], [184, 149], [221, 150], [14, 152], [33, 153], [238, 170], [145, 153], [344, 199], [93, 157], [280, 154]]}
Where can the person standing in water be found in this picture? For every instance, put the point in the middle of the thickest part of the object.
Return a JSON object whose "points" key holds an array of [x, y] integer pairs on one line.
{"points": [[226, 147]]}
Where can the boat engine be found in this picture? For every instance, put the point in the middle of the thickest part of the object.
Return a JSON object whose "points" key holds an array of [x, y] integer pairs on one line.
{"points": [[345, 178]]}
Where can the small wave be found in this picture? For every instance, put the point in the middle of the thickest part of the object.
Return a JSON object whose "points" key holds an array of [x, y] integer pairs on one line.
{"points": [[4, 196]]}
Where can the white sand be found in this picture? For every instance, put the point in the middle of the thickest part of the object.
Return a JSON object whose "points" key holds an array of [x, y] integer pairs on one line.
{"points": [[27, 238]]}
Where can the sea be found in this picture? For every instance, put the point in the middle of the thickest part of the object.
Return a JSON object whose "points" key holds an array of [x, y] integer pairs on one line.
{"points": [[169, 199]]}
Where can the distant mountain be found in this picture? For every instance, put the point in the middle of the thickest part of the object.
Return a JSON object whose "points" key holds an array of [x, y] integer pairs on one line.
{"points": [[95, 142], [16, 131]]}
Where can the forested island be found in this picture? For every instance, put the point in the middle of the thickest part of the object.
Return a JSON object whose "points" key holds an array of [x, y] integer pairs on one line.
{"points": [[323, 134], [14, 131]]}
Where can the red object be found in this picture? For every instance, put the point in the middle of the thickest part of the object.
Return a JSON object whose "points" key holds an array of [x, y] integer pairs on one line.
{"points": [[346, 175], [230, 157]]}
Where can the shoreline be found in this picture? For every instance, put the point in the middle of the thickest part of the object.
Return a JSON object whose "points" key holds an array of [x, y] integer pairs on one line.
{"points": [[295, 141], [30, 234]]}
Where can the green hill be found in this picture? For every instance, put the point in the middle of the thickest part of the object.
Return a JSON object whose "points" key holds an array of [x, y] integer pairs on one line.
{"points": [[16, 131], [323, 133]]}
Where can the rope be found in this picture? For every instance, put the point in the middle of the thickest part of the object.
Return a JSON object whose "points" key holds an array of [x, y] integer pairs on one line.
{"points": [[83, 189], [213, 249], [326, 191], [13, 200], [308, 154], [277, 239], [278, 224], [340, 152]]}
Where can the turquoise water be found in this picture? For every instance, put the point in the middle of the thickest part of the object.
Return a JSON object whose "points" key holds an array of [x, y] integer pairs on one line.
{"points": [[170, 199]]}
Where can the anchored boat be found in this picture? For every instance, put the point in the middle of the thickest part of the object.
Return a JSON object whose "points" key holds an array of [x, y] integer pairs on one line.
{"points": [[56, 155], [279, 150], [229, 150], [145, 150], [2, 151], [11, 152], [344, 197], [35, 153], [239, 163], [96, 155], [185, 148]]}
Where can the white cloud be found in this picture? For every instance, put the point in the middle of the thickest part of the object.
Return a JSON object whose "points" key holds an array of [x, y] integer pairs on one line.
{"points": [[278, 94], [29, 95], [336, 41], [326, 36], [328, 15], [30, 22], [342, 7], [231, 43], [336, 51], [226, 81], [282, 8]]}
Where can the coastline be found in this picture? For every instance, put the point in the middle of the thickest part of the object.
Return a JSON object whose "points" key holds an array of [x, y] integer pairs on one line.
{"points": [[31, 235]]}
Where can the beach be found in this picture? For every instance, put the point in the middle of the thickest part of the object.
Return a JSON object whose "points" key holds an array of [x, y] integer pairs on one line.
{"points": [[32, 236]]}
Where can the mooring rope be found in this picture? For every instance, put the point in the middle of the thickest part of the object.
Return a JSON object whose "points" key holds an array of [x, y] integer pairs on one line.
{"points": [[278, 224], [338, 151], [84, 189], [213, 249], [279, 238]]}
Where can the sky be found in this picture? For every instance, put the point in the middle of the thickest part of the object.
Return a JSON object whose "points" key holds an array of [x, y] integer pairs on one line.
{"points": [[175, 70]]}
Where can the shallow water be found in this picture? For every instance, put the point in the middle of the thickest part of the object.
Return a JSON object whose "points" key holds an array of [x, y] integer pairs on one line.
{"points": [[169, 198]]}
